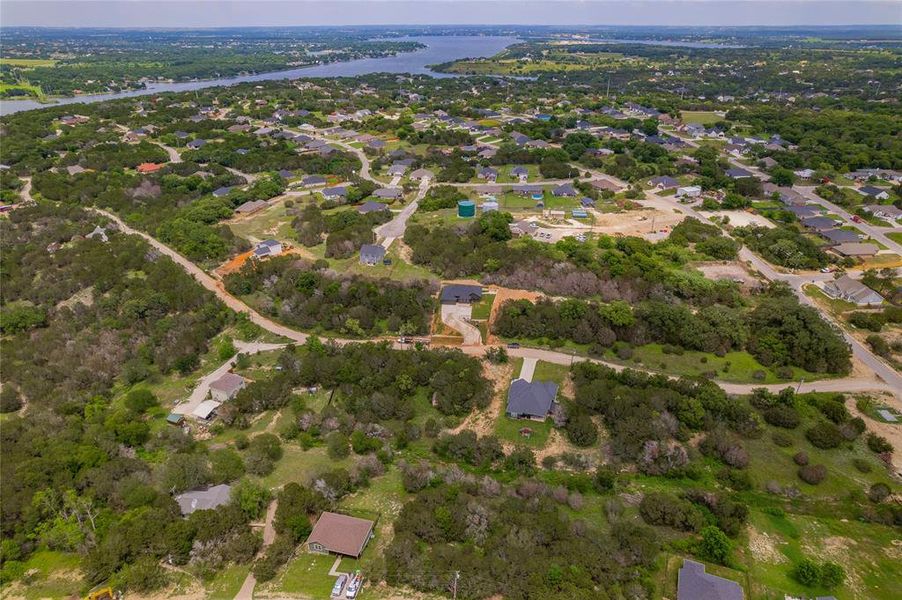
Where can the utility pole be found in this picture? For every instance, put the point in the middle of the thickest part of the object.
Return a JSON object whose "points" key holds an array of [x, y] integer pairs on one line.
{"points": [[454, 583]]}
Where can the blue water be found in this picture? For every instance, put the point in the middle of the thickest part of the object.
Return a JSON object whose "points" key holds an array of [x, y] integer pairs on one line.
{"points": [[438, 49]]}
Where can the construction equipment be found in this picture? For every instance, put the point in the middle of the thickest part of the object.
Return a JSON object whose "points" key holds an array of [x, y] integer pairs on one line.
{"points": [[105, 593]]}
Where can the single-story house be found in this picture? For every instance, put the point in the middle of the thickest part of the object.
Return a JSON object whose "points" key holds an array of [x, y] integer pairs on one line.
{"points": [[488, 189], [839, 236], [529, 189], [223, 191], [803, 212], [268, 248], [530, 399], [487, 173], [689, 191], [286, 174], [371, 254], [204, 499], [522, 173], [489, 206], [664, 182], [397, 169], [370, 206], [226, 387], [884, 211], [819, 223], [852, 290], [340, 534], [75, 169], [605, 184], [389, 193], [312, 180], [196, 144], [251, 206], [458, 293], [335, 192], [768, 163], [421, 174], [737, 173], [804, 173], [206, 410], [856, 249], [694, 584], [520, 228], [586, 202], [874, 192], [565, 189]]}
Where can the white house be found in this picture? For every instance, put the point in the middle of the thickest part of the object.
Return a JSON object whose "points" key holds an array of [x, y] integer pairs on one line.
{"points": [[689, 191]]}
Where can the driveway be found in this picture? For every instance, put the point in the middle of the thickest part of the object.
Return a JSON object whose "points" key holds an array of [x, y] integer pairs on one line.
{"points": [[529, 368], [456, 316], [387, 232]]}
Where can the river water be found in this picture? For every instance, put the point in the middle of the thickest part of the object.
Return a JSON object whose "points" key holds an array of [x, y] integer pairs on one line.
{"points": [[438, 49]]}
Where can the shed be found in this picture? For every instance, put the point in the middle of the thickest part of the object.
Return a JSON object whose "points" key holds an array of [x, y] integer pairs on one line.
{"points": [[340, 534], [268, 248], [206, 410]]}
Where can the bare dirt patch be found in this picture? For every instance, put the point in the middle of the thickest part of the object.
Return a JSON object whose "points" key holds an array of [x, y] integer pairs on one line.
{"points": [[732, 271], [764, 548], [483, 421]]}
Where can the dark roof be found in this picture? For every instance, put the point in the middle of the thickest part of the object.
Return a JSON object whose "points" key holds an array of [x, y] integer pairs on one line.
{"points": [[870, 190], [737, 173], [373, 252], [457, 292], [819, 223], [223, 191], [370, 206], [341, 534], [335, 191], [840, 236], [204, 499], [565, 189], [664, 181], [388, 192], [532, 398], [695, 584], [313, 179]]}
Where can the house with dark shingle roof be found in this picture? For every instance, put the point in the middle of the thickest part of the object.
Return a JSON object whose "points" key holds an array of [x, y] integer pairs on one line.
{"points": [[565, 189], [819, 223], [223, 191], [694, 584], [737, 173], [458, 293], [852, 290], [204, 499], [874, 192], [388, 193], [369, 206], [530, 399], [371, 254], [664, 182], [335, 192], [839, 236]]}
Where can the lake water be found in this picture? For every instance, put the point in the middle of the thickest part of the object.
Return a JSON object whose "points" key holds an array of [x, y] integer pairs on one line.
{"points": [[438, 49]]}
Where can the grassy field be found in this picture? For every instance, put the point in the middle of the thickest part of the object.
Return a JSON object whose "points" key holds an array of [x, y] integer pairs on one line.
{"points": [[896, 236], [53, 575], [306, 574], [28, 62], [702, 117], [226, 583], [31, 90]]}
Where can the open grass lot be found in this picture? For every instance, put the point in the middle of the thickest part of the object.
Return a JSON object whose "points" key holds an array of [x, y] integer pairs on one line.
{"points": [[53, 575], [307, 575], [882, 261], [226, 583], [702, 117], [271, 222], [896, 236], [28, 62], [546, 371], [28, 89]]}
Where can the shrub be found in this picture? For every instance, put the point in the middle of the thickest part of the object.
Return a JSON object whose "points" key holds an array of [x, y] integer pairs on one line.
{"points": [[581, 431], [783, 416], [738, 480], [824, 435], [604, 481], [878, 444], [624, 353], [723, 446], [832, 575], [865, 320], [785, 373], [658, 508], [878, 492], [800, 458], [714, 545], [781, 439], [862, 465], [807, 572], [337, 445], [10, 401], [813, 474]]}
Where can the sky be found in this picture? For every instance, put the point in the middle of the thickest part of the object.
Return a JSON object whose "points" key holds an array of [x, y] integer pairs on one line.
{"points": [[218, 13]]}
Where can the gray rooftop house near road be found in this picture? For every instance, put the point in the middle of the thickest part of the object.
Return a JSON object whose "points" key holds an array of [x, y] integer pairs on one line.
{"points": [[737, 173], [852, 290], [204, 499], [371, 254], [695, 584], [389, 193], [370, 206], [226, 387], [457, 293], [531, 399], [335, 192], [839, 236], [819, 223]]}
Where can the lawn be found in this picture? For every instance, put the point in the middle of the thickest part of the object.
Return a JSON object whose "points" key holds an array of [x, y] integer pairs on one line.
{"points": [[270, 222], [508, 430], [30, 90], [306, 574], [835, 305], [896, 236], [702, 117], [546, 371], [56, 575], [483, 309], [300, 466]]}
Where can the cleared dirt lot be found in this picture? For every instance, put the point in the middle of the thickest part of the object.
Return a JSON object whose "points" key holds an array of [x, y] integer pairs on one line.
{"points": [[740, 218], [733, 271]]}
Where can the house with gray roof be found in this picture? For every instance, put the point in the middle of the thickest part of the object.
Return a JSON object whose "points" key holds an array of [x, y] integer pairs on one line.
{"points": [[565, 189], [335, 192], [389, 193], [195, 144], [884, 211], [819, 223], [397, 169], [855, 249], [522, 173], [312, 180], [804, 211], [839, 236], [223, 191], [664, 182], [369, 206], [421, 174], [874, 192], [852, 290], [204, 499], [530, 399], [737, 173], [372, 254], [458, 293], [694, 584]]}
